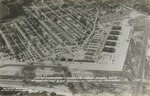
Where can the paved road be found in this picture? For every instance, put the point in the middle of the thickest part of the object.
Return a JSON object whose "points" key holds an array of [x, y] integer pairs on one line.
{"points": [[27, 65], [11, 82], [138, 88], [93, 31]]}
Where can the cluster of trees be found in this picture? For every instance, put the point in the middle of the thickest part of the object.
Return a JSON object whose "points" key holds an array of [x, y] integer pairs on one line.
{"points": [[23, 2], [27, 2], [3, 46], [142, 7], [5, 2], [29, 71], [2, 42], [15, 11], [71, 86], [16, 8]]}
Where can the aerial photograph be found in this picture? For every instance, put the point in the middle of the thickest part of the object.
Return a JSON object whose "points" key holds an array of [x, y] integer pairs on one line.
{"points": [[74, 47]]}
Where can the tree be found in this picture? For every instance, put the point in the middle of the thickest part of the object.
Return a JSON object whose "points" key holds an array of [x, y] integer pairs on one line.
{"points": [[83, 21], [66, 0], [88, 32], [53, 94], [88, 0], [55, 19], [71, 87]]}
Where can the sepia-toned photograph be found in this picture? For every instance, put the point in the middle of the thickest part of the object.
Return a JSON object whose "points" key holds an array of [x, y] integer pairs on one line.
{"points": [[74, 47]]}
